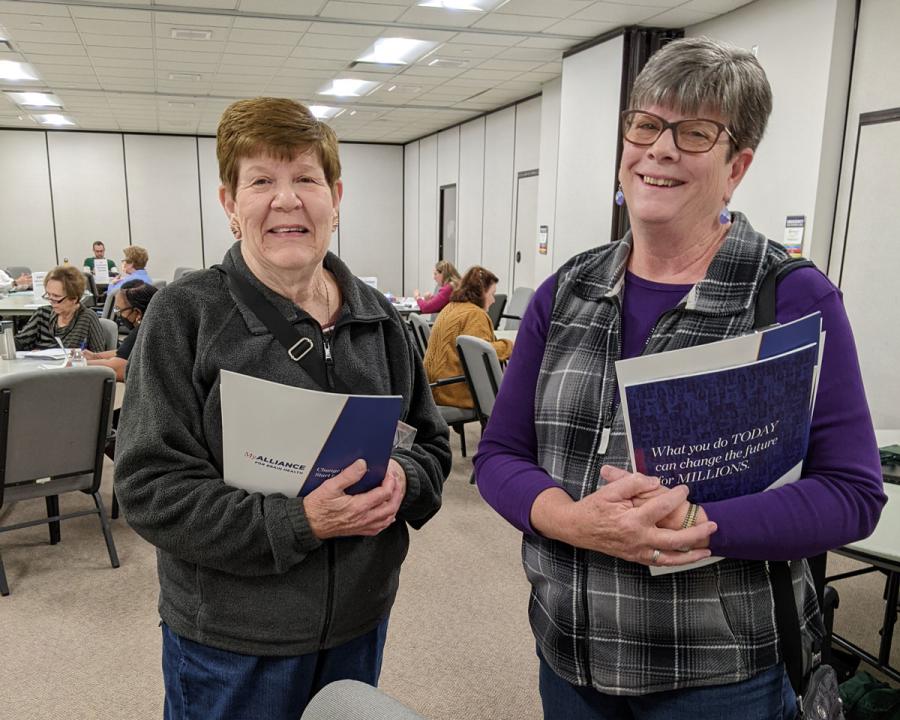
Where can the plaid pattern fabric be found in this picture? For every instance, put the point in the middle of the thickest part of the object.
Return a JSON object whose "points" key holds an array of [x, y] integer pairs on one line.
{"points": [[605, 622]]}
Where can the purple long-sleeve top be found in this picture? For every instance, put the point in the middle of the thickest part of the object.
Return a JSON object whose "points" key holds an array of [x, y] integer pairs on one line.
{"points": [[837, 500], [436, 302]]}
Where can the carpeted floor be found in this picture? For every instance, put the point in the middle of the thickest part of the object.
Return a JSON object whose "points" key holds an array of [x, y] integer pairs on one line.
{"points": [[81, 640]]}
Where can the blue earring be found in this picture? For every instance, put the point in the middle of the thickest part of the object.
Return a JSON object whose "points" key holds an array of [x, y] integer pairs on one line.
{"points": [[724, 216], [620, 197]]}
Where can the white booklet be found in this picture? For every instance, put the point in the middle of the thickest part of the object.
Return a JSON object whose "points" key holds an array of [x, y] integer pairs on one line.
{"points": [[283, 439]]}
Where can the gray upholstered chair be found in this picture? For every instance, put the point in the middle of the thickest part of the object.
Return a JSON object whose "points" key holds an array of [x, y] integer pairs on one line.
{"points": [[110, 333], [495, 311], [511, 316], [73, 406], [159, 284], [354, 700], [421, 330], [483, 374], [109, 304], [180, 271], [15, 270]]}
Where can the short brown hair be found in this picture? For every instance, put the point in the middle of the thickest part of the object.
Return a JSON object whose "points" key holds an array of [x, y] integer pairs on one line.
{"points": [[474, 284], [137, 256], [278, 127], [98, 242], [72, 280]]}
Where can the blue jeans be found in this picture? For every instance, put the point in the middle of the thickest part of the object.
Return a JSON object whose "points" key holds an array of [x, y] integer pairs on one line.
{"points": [[204, 683], [767, 696]]}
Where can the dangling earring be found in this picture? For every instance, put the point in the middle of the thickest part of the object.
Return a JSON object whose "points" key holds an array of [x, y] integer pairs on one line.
{"points": [[335, 223], [620, 196], [724, 216], [235, 227]]}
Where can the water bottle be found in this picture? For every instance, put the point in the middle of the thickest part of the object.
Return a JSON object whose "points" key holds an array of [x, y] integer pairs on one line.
{"points": [[8, 340], [77, 358]]}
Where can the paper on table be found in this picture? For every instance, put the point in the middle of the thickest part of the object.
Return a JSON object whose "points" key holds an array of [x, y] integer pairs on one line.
{"points": [[52, 353]]}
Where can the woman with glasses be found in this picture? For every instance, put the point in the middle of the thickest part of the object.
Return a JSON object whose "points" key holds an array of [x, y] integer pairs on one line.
{"points": [[65, 319], [614, 641], [130, 304], [134, 264]]}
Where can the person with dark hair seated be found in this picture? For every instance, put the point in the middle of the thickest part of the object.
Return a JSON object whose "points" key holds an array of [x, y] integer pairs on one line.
{"points": [[466, 314], [131, 303]]}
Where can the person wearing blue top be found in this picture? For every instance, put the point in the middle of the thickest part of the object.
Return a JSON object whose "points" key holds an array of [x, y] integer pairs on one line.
{"points": [[133, 267]]}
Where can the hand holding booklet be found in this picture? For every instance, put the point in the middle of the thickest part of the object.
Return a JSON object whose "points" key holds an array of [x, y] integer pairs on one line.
{"points": [[302, 437], [728, 418]]}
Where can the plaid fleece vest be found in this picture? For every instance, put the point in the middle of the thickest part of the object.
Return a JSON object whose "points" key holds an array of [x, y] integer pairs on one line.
{"points": [[605, 622]]}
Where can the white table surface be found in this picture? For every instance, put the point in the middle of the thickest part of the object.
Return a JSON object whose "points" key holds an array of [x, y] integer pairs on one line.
{"points": [[506, 334], [18, 304]]}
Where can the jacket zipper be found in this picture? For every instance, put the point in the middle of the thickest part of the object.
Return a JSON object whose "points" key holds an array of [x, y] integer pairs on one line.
{"points": [[329, 594]]}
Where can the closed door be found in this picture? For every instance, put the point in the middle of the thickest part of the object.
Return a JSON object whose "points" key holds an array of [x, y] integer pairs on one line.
{"points": [[526, 230]]}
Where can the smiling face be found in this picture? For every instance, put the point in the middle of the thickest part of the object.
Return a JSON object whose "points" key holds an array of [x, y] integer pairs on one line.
{"points": [[665, 186], [286, 212]]}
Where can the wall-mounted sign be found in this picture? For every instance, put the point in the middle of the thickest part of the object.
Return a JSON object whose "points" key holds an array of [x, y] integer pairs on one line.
{"points": [[793, 234], [543, 234]]}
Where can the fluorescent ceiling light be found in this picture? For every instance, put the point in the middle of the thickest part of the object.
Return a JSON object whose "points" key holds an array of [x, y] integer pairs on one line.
{"points": [[53, 119], [470, 5], [34, 99], [349, 87], [396, 51], [12, 70], [325, 112], [190, 34]]}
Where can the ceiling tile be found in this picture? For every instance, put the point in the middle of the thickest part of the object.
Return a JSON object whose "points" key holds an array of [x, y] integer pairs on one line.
{"points": [[582, 28], [524, 53], [349, 42], [714, 6], [195, 20], [438, 16], [12, 21], [130, 53], [362, 11], [221, 4], [119, 14], [251, 61], [543, 8], [469, 51], [617, 13], [678, 18], [547, 43], [335, 28], [282, 7], [296, 26], [514, 23], [41, 36], [277, 52], [7, 6], [46, 49], [268, 37], [518, 66], [487, 39], [108, 40], [114, 27], [197, 46]]}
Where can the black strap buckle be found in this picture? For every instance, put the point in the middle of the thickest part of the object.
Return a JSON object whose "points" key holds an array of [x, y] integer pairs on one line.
{"points": [[304, 344]]}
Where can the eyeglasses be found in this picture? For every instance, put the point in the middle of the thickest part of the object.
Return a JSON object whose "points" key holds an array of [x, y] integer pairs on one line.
{"points": [[53, 298], [695, 135], [122, 311]]}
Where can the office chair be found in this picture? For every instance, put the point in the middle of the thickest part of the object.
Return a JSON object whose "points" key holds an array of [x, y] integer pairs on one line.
{"points": [[72, 407], [515, 308]]}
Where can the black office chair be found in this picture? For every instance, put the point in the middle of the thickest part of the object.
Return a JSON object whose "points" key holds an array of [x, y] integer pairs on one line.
{"points": [[495, 311]]}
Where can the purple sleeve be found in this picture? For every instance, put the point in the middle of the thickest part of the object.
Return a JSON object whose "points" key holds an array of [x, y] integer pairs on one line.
{"points": [[436, 302], [506, 468], [839, 498]]}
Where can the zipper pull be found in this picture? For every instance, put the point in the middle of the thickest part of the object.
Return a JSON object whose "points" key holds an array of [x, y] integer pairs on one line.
{"points": [[326, 343], [604, 440]]}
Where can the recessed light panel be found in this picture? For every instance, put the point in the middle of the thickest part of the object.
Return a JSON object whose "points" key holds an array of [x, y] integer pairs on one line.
{"points": [[470, 5], [349, 87], [325, 112], [12, 70], [396, 51], [54, 119], [34, 99]]}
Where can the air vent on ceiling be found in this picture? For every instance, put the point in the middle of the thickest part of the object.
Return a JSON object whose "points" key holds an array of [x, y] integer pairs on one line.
{"points": [[184, 76], [190, 34], [365, 65]]}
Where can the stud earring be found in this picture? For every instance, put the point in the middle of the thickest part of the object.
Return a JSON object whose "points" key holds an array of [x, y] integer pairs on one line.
{"points": [[235, 227], [620, 196], [724, 216], [336, 222]]}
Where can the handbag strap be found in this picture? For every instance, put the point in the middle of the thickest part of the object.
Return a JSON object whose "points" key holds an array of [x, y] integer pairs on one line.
{"points": [[299, 348], [787, 622]]}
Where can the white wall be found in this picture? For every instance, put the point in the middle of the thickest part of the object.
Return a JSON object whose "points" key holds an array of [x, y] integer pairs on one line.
{"points": [[547, 180], [499, 181], [89, 198], [372, 212], [470, 194], [428, 212], [26, 208], [804, 47], [79, 179], [588, 138], [410, 219]]}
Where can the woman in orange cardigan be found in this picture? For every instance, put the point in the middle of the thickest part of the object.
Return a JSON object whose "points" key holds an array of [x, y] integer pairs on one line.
{"points": [[466, 314]]}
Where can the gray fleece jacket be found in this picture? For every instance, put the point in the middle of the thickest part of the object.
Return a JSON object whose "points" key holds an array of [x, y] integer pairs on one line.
{"points": [[243, 572]]}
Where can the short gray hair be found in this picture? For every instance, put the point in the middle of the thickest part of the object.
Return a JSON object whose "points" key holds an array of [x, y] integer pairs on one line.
{"points": [[691, 75]]}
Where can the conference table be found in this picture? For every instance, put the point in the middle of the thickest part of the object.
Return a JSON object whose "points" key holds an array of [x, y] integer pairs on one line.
{"points": [[881, 552], [20, 304]]}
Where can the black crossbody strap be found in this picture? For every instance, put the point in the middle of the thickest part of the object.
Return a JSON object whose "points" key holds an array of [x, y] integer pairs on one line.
{"points": [[765, 298], [300, 349], [788, 623]]}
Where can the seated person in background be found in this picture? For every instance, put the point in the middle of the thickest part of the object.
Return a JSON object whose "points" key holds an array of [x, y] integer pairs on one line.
{"points": [[466, 314], [133, 265], [447, 279], [131, 303], [8, 283], [64, 318], [99, 254]]}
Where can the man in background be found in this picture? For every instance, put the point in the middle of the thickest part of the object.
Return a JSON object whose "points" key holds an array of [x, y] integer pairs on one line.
{"points": [[99, 254]]}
